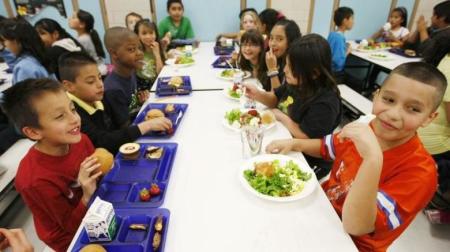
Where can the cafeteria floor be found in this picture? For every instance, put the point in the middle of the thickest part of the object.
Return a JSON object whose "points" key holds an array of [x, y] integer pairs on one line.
{"points": [[420, 235]]}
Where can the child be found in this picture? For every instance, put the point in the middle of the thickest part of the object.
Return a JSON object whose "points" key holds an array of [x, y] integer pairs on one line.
{"points": [[81, 78], [153, 54], [131, 19], [281, 37], [252, 56], [175, 26], [382, 175], [423, 38], [249, 21], [121, 91], [6, 54], [83, 23], [56, 40], [309, 105], [343, 19], [269, 17], [57, 177], [24, 42], [396, 30], [436, 136]]}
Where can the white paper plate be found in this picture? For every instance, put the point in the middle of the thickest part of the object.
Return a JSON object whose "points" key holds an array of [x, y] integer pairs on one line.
{"points": [[375, 56], [179, 53], [247, 74], [171, 62], [309, 187]]}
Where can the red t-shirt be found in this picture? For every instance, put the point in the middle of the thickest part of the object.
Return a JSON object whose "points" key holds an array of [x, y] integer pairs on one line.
{"points": [[408, 182], [49, 187]]}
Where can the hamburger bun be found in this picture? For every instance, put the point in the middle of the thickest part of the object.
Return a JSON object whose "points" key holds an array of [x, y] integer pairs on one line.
{"points": [[93, 248], [105, 158], [154, 113]]}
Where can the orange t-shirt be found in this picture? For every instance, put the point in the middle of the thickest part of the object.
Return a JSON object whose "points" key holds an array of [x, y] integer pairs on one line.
{"points": [[408, 182]]}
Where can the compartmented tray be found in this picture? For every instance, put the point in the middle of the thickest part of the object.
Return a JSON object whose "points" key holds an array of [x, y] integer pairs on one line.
{"points": [[221, 62], [122, 185], [220, 50], [175, 116], [401, 52], [164, 89], [131, 240]]}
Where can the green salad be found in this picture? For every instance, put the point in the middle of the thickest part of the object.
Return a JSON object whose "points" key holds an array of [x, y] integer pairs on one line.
{"points": [[184, 60], [273, 179], [228, 73], [233, 115]]}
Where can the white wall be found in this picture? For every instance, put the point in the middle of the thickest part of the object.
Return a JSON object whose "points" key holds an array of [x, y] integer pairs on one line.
{"points": [[425, 8], [118, 9], [295, 10]]}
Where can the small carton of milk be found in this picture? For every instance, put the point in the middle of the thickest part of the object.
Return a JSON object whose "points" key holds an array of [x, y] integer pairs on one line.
{"points": [[100, 221]]}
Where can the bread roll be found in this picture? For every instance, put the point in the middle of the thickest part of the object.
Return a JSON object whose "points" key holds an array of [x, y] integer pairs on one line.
{"points": [[105, 158], [154, 113], [93, 248]]}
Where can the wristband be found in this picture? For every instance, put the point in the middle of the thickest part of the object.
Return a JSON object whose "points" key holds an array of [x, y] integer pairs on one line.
{"points": [[271, 74]]}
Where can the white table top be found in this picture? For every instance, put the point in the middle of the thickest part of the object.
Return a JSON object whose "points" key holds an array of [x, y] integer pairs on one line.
{"points": [[210, 209], [203, 75], [5, 75], [358, 101], [395, 61]]}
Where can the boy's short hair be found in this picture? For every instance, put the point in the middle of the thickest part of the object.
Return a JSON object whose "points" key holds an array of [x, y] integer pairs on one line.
{"points": [[342, 13], [170, 2], [443, 10], [132, 14], [18, 100], [69, 64], [115, 36], [425, 73]]}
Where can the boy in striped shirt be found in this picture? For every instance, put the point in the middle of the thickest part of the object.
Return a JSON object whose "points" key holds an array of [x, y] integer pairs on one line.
{"points": [[382, 175]]}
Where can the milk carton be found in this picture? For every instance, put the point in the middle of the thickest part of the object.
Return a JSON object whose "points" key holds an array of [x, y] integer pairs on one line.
{"points": [[100, 221]]}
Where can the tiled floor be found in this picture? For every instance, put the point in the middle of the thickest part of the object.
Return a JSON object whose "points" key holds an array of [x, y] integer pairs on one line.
{"points": [[420, 236]]}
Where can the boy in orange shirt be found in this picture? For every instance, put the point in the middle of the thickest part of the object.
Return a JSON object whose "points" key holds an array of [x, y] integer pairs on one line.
{"points": [[382, 175], [57, 176]]}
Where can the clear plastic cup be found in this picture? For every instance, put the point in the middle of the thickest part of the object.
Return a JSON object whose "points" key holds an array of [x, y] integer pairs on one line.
{"points": [[251, 139]]}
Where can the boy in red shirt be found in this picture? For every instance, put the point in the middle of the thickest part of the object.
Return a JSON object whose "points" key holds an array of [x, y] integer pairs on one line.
{"points": [[382, 175], [56, 178]]}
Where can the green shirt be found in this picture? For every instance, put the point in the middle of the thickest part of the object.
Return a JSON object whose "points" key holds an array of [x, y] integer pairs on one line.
{"points": [[184, 31], [148, 71]]}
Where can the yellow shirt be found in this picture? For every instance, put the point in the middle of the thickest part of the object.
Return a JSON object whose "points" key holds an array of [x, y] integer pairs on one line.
{"points": [[436, 136]]}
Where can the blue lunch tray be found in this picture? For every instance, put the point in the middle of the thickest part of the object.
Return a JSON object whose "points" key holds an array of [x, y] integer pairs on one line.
{"points": [[129, 240], [178, 108], [219, 50], [220, 62], [121, 186], [164, 89]]}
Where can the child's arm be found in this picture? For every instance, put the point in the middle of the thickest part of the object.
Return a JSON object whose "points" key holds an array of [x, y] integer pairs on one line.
{"points": [[360, 207], [422, 29], [267, 98], [292, 126], [378, 34], [156, 124], [310, 147], [157, 53], [271, 62]]}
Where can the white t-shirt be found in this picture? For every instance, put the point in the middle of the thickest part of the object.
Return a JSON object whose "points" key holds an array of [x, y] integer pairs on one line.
{"points": [[400, 33]]}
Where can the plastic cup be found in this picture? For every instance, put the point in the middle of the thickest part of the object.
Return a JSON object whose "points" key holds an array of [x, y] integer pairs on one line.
{"points": [[251, 139]]}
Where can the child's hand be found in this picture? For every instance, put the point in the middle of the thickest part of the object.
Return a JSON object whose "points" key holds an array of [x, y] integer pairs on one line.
{"points": [[271, 61], [159, 124], [88, 181], [165, 41], [14, 239], [251, 91], [280, 146], [234, 57], [422, 24], [364, 139], [349, 48], [155, 48], [143, 96]]}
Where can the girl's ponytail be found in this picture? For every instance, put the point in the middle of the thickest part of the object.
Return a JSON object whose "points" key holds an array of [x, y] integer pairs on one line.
{"points": [[88, 20], [97, 43]]}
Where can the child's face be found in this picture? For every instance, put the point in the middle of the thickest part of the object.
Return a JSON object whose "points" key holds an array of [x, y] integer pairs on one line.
{"points": [[58, 120], [48, 38], [88, 85], [13, 46], [130, 54], [176, 11], [131, 22], [146, 35], [398, 113], [74, 22], [250, 51], [248, 22], [290, 79], [395, 19], [348, 23], [278, 41]]}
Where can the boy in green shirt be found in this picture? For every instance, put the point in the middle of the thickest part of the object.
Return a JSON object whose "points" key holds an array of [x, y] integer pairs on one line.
{"points": [[175, 26]]}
